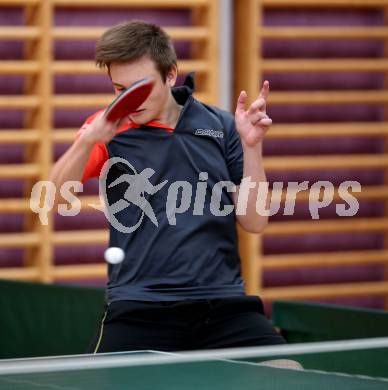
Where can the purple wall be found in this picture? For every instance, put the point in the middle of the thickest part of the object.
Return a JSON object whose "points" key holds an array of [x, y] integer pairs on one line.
{"points": [[299, 49]]}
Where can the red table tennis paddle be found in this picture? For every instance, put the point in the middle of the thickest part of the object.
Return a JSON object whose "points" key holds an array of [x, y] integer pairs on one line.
{"points": [[129, 100]]}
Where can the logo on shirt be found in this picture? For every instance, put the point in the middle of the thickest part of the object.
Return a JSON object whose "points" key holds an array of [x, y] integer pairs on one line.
{"points": [[210, 133]]}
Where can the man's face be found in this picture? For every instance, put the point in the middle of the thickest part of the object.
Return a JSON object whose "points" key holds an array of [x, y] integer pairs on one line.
{"points": [[125, 74]]}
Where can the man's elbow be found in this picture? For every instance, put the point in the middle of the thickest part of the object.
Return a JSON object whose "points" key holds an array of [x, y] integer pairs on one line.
{"points": [[256, 227]]}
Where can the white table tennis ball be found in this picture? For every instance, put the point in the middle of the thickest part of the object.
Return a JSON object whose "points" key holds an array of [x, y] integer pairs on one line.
{"points": [[114, 255]]}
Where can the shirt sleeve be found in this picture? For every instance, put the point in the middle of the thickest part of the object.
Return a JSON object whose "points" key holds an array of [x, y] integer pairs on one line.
{"points": [[234, 151], [98, 156]]}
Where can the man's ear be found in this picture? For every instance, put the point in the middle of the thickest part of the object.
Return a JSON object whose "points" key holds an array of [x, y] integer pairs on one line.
{"points": [[172, 76]]}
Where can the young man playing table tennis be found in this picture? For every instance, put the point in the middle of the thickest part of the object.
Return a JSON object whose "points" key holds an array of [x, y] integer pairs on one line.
{"points": [[179, 285]]}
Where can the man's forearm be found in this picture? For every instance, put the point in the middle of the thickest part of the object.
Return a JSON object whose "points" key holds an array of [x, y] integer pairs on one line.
{"points": [[252, 125], [253, 168], [71, 165]]}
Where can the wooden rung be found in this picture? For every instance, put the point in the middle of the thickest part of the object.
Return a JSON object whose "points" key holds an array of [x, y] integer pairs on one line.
{"points": [[19, 33], [341, 129], [77, 33], [359, 161], [18, 171], [82, 100], [343, 225], [336, 32], [16, 3], [132, 3], [80, 271], [367, 193], [329, 97], [76, 67], [325, 3], [97, 101], [16, 240], [63, 136], [372, 193], [324, 65], [80, 237], [19, 136], [19, 67], [86, 202], [15, 205], [9, 206], [299, 130], [324, 259], [88, 67], [20, 273], [191, 33], [22, 205], [325, 290], [18, 102], [198, 66]]}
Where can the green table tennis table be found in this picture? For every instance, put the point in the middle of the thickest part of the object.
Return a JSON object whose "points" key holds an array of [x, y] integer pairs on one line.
{"points": [[366, 361]]}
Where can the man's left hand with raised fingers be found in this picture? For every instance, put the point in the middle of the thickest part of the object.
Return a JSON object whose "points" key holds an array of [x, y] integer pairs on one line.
{"points": [[252, 125]]}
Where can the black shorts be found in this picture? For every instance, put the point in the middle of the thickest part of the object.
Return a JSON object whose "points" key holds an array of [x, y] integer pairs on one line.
{"points": [[184, 325]]}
